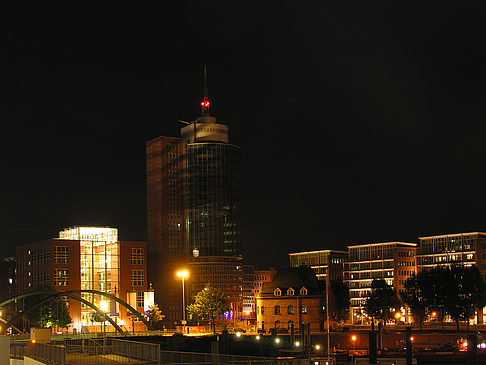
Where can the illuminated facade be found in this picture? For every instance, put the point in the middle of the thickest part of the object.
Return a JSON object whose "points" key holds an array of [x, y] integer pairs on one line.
{"points": [[462, 249], [193, 213], [295, 297], [321, 262], [465, 249], [393, 262], [88, 258]]}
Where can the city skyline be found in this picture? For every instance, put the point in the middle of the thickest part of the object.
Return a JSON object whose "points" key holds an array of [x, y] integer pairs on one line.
{"points": [[357, 124]]}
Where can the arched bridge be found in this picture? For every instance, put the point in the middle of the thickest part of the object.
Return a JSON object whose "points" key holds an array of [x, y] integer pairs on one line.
{"points": [[53, 294]]}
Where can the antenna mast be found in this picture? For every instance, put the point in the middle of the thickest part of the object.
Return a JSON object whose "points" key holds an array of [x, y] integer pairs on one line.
{"points": [[205, 102]]}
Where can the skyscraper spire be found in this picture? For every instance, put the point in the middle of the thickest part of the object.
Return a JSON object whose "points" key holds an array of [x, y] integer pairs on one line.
{"points": [[205, 102]]}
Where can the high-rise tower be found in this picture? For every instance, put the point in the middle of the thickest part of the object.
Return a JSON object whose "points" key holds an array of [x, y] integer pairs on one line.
{"points": [[193, 213]]}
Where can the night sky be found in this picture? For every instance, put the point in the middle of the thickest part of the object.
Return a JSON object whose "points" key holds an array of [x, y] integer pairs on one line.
{"points": [[359, 121]]}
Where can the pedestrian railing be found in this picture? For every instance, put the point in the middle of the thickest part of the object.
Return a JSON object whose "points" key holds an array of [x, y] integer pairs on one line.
{"points": [[51, 354]]}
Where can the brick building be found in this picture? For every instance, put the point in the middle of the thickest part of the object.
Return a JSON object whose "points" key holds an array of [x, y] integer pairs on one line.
{"points": [[87, 258], [294, 296]]}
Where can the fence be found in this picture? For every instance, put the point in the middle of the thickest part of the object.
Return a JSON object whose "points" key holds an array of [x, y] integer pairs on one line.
{"points": [[53, 354], [109, 350], [185, 358]]}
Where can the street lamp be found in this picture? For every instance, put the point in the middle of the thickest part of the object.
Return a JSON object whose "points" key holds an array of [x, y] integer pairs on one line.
{"points": [[183, 274], [354, 344]]}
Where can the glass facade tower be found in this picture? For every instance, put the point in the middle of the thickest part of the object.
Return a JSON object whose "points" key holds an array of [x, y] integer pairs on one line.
{"points": [[212, 199]]}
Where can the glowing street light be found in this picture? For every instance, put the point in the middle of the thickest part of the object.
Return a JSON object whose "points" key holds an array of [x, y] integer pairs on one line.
{"points": [[277, 340], [353, 338], [297, 344], [318, 347], [183, 274], [104, 306]]}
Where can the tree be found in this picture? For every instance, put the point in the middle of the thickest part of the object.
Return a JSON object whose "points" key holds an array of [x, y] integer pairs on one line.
{"points": [[382, 300], [341, 298], [464, 293], [413, 297], [97, 317], [154, 315], [209, 303], [457, 291], [54, 313]]}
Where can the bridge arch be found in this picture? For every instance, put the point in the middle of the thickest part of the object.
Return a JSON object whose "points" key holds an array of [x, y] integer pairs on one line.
{"points": [[70, 293]]}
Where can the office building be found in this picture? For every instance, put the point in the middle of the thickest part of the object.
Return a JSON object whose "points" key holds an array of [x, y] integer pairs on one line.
{"points": [[193, 214], [464, 249], [393, 262], [322, 262], [88, 258]]}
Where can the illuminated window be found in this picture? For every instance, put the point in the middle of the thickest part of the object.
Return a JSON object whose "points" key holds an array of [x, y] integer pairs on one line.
{"points": [[61, 277], [277, 309], [140, 299], [277, 324], [303, 291], [61, 254], [136, 256], [303, 309], [277, 292], [263, 310], [290, 291], [290, 309], [137, 277]]}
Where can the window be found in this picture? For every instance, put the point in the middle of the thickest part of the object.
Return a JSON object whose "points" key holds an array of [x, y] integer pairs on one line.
{"points": [[277, 324], [290, 324], [136, 256], [263, 310], [137, 277], [303, 309], [61, 277], [290, 291], [277, 292], [290, 309], [140, 299], [61, 254], [303, 291], [277, 309]]}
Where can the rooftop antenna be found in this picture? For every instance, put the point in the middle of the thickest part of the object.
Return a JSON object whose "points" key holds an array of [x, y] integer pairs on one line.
{"points": [[205, 102]]}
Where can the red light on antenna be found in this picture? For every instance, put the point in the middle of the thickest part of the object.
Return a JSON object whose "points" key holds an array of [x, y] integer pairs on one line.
{"points": [[202, 103], [207, 103]]}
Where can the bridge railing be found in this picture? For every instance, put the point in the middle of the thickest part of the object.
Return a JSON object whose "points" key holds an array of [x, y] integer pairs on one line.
{"points": [[52, 354]]}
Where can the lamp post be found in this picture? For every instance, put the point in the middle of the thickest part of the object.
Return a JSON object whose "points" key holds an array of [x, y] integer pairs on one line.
{"points": [[183, 274], [354, 344]]}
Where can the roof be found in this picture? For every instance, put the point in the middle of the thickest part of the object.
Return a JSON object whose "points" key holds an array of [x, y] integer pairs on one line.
{"points": [[384, 244], [454, 235], [318, 251], [295, 278]]}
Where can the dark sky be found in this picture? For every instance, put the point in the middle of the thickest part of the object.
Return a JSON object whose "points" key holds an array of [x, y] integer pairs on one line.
{"points": [[359, 121]]}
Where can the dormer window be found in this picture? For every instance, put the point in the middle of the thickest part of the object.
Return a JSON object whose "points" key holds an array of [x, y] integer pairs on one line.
{"points": [[303, 291], [290, 291], [277, 292]]}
